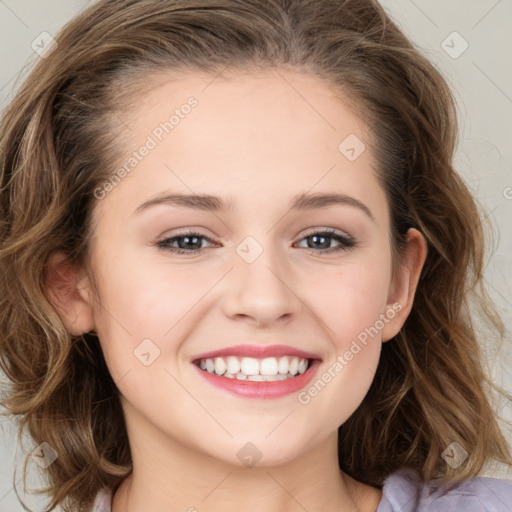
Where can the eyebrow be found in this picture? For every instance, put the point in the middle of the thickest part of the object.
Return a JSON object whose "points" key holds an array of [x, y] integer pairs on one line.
{"points": [[301, 202]]}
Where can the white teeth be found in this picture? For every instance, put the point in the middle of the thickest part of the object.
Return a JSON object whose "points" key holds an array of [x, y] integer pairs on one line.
{"points": [[269, 366], [256, 377], [220, 366], [233, 364], [210, 366], [250, 368], [283, 365]]}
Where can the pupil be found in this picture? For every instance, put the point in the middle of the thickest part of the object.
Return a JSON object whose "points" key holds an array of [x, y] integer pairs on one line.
{"points": [[188, 238], [316, 237]]}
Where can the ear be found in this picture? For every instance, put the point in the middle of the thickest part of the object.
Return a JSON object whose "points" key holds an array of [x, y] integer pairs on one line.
{"points": [[70, 291], [403, 285]]}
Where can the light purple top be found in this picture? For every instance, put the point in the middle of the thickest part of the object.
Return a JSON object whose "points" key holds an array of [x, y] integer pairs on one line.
{"points": [[403, 491]]}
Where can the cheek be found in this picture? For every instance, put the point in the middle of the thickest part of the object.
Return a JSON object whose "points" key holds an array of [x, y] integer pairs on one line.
{"points": [[349, 299], [350, 302], [141, 301], [350, 312]]}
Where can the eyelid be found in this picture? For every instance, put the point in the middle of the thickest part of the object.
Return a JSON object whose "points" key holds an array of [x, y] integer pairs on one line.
{"points": [[345, 241], [201, 231], [331, 231]]}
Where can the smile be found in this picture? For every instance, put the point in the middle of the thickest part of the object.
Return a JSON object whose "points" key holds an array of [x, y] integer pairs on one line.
{"points": [[256, 371], [269, 369]]}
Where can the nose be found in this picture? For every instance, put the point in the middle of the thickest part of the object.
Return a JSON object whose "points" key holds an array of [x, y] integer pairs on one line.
{"points": [[263, 292]]}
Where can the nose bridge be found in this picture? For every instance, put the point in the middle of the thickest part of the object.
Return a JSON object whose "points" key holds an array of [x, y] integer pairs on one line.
{"points": [[262, 289]]}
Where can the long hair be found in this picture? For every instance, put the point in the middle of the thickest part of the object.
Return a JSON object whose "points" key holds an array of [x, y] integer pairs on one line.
{"points": [[60, 140]]}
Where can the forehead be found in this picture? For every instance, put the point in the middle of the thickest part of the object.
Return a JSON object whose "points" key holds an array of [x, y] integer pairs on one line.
{"points": [[236, 106], [275, 133]]}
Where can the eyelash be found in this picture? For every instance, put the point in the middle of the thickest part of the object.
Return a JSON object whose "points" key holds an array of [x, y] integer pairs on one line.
{"points": [[346, 242]]}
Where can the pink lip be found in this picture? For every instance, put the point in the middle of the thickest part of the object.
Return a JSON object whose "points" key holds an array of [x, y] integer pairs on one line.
{"points": [[258, 351], [263, 390]]}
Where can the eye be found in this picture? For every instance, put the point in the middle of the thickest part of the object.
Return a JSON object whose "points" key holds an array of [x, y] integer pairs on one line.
{"points": [[190, 242], [324, 238]]}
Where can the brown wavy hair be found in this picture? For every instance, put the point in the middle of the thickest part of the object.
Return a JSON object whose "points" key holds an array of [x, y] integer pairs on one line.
{"points": [[60, 139]]}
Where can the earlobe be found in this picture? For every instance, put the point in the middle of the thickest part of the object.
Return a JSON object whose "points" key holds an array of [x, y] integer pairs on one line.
{"points": [[403, 286], [69, 290]]}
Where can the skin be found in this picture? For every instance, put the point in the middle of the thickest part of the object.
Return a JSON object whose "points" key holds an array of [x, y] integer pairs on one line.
{"points": [[258, 140]]}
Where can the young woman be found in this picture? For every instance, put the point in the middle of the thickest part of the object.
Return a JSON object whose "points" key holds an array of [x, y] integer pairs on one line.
{"points": [[237, 266]]}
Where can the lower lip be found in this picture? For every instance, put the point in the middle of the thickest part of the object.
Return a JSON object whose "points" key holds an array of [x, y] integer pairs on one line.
{"points": [[258, 389]]}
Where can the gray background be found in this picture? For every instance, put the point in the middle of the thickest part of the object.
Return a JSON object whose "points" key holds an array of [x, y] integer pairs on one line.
{"points": [[481, 78]]}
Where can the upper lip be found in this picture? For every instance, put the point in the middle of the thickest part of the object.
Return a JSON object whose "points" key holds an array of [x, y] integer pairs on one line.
{"points": [[257, 351]]}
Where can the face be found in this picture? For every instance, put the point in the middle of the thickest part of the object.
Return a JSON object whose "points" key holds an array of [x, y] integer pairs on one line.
{"points": [[253, 265]]}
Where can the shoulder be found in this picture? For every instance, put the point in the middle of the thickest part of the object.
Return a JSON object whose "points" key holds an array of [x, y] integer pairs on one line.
{"points": [[404, 491], [103, 501]]}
